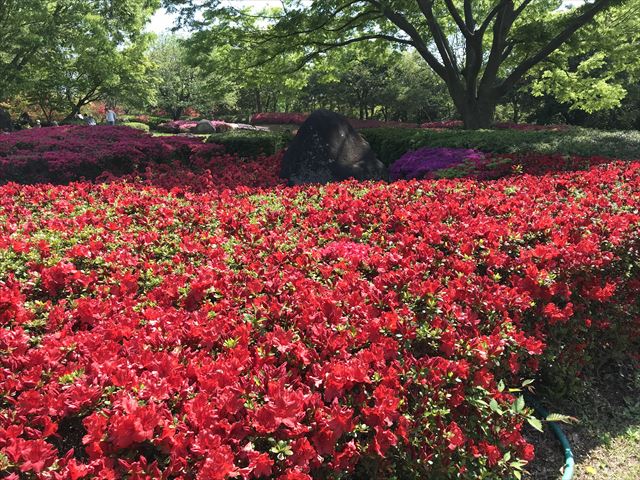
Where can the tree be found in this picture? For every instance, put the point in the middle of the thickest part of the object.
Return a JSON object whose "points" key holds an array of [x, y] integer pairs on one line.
{"points": [[594, 70], [481, 49], [223, 52], [90, 67], [180, 85], [35, 33]]}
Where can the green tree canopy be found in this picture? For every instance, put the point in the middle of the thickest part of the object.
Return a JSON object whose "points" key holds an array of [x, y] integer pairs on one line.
{"points": [[39, 36], [481, 49]]}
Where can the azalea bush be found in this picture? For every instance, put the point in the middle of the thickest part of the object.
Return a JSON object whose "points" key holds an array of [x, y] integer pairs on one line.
{"points": [[423, 162], [441, 162], [68, 153], [443, 124], [220, 325], [493, 166]]}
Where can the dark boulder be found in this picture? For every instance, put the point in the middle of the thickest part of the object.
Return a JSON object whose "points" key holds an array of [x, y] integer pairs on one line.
{"points": [[6, 125], [328, 149]]}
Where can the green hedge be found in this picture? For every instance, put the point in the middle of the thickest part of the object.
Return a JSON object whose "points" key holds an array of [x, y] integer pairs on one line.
{"points": [[248, 143], [391, 143], [155, 121], [138, 125]]}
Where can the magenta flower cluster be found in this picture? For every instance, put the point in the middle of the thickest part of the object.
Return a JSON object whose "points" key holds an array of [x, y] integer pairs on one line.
{"points": [[423, 162]]}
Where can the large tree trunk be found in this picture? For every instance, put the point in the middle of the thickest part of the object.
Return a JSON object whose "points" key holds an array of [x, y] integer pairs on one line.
{"points": [[258, 100], [477, 113], [75, 110]]}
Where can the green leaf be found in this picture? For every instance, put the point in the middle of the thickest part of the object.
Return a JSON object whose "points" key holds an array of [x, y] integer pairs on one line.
{"points": [[493, 405], [535, 423], [558, 417], [519, 405]]}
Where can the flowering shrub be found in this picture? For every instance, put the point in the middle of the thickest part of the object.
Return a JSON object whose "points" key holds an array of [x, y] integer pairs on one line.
{"points": [[467, 163], [206, 172], [443, 125], [493, 166], [63, 154], [142, 119], [150, 330], [423, 162]]}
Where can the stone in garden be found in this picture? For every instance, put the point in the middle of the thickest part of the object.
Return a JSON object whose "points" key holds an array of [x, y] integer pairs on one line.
{"points": [[6, 125], [244, 126], [328, 149], [204, 126]]}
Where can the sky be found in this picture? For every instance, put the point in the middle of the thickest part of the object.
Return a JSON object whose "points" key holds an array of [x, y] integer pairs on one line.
{"points": [[162, 21]]}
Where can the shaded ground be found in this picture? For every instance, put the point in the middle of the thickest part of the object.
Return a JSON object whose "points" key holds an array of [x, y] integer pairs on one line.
{"points": [[606, 442]]}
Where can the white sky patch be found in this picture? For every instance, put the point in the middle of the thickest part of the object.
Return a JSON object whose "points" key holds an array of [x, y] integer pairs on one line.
{"points": [[162, 21]]}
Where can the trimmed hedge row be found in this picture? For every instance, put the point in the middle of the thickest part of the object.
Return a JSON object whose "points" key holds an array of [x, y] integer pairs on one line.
{"points": [[391, 143], [251, 143], [137, 125]]}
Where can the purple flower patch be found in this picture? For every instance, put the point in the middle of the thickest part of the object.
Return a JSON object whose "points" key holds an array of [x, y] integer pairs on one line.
{"points": [[423, 162]]}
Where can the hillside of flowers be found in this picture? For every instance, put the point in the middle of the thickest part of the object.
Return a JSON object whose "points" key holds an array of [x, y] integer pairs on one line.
{"points": [[69, 153], [197, 319]]}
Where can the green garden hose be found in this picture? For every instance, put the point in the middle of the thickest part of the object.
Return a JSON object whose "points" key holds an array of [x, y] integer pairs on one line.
{"points": [[569, 463]]}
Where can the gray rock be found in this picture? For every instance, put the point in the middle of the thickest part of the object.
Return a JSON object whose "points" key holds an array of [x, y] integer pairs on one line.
{"points": [[6, 125], [244, 126], [328, 149], [204, 126]]}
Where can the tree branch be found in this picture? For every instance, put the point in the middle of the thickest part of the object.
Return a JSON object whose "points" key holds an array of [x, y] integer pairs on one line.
{"points": [[574, 25], [492, 14], [403, 24], [446, 52], [457, 18], [468, 16]]}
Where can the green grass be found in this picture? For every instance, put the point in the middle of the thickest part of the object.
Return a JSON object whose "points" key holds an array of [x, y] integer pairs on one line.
{"points": [[606, 441]]}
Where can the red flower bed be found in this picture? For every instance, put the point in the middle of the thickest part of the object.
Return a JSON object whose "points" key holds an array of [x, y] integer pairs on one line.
{"points": [[63, 154], [301, 333], [443, 125]]}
